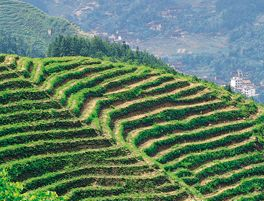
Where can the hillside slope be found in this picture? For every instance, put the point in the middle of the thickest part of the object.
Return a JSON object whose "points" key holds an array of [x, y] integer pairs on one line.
{"points": [[30, 28], [211, 39], [95, 130]]}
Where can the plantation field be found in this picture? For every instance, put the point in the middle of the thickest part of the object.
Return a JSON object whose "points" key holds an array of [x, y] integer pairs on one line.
{"points": [[90, 129]]}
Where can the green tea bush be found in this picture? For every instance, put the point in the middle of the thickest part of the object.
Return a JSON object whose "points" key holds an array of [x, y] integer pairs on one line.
{"points": [[246, 187], [193, 161], [57, 67], [180, 151], [27, 116], [8, 75], [32, 136], [39, 126], [29, 105], [57, 80], [23, 94], [158, 131], [91, 82], [166, 115], [195, 136], [231, 180], [15, 83], [230, 165]]}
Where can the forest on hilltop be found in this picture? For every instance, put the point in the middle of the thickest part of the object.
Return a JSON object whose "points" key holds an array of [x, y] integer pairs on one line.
{"points": [[99, 48]]}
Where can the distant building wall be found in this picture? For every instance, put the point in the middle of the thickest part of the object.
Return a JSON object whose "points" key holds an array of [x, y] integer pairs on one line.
{"points": [[244, 86]]}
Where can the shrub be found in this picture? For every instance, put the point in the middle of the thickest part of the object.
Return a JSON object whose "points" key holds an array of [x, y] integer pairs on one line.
{"points": [[13, 191]]}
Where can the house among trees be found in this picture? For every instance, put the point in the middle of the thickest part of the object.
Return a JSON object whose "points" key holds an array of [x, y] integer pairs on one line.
{"points": [[240, 83]]}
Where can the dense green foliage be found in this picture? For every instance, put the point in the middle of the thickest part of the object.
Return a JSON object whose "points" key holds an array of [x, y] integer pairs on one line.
{"points": [[99, 48], [12, 45], [48, 148], [92, 129], [13, 191]]}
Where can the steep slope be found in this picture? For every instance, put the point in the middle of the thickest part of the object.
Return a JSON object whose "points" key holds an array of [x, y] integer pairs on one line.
{"points": [[95, 130], [29, 27]]}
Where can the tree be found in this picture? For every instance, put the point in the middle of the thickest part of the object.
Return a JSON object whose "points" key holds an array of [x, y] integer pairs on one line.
{"points": [[228, 88], [99, 48], [10, 44], [10, 191]]}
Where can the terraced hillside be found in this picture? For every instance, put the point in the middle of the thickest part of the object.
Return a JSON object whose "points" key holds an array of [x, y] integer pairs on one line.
{"points": [[95, 130]]}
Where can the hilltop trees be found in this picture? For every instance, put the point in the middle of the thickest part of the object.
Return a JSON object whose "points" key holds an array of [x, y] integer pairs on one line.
{"points": [[99, 48], [12, 45]]}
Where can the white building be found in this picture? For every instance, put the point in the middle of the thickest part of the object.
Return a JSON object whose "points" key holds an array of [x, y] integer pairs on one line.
{"points": [[242, 85], [236, 82], [249, 91]]}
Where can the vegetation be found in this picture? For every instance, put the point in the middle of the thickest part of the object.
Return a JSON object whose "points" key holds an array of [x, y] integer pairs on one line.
{"points": [[91, 129], [12, 191], [99, 48], [12, 45], [26, 30], [219, 36]]}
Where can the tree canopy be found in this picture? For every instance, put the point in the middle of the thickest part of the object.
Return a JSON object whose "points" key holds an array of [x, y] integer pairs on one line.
{"points": [[99, 48]]}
